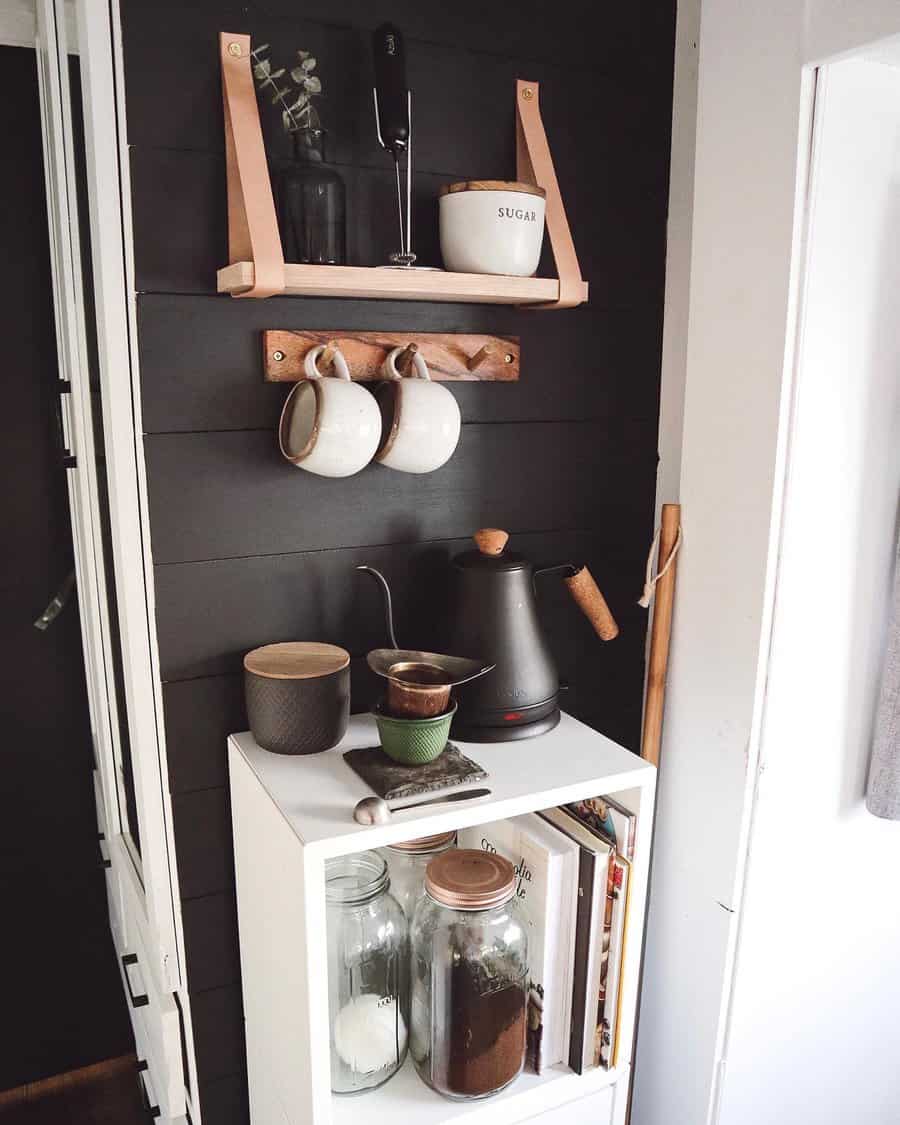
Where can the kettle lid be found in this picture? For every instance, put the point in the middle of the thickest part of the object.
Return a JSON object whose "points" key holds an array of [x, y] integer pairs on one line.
{"points": [[491, 553]]}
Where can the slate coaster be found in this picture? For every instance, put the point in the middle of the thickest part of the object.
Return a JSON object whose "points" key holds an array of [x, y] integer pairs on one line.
{"points": [[391, 780]]}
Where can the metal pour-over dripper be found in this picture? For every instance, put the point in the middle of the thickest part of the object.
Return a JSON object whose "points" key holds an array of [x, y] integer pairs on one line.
{"points": [[393, 120], [418, 682]]}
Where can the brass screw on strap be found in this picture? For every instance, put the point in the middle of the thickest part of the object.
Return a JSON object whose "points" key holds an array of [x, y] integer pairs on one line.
{"points": [[508, 358], [234, 49], [528, 93], [278, 356]]}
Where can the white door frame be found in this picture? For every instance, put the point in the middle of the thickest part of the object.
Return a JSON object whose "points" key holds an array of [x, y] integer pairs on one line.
{"points": [[155, 866], [755, 91]]}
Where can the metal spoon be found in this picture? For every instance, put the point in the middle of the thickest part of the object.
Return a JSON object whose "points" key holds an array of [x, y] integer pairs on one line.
{"points": [[375, 810]]}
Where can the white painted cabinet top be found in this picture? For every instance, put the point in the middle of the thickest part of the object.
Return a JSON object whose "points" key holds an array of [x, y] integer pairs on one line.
{"points": [[316, 793]]}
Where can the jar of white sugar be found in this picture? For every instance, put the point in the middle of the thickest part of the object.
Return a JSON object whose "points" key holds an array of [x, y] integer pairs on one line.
{"points": [[368, 951]]}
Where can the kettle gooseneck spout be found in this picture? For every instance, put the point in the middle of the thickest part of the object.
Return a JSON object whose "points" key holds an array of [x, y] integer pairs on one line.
{"points": [[388, 602]]}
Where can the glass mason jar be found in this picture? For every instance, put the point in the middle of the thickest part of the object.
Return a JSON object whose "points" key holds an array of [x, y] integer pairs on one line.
{"points": [[368, 953], [311, 201], [469, 976], [407, 862]]}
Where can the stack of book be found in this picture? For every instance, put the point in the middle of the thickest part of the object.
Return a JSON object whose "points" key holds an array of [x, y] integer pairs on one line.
{"points": [[572, 865]]}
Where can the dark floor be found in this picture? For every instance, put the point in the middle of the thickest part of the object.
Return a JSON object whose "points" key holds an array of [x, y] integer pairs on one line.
{"points": [[104, 1094]]}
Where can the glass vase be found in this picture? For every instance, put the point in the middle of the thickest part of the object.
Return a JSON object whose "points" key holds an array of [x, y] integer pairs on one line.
{"points": [[311, 202]]}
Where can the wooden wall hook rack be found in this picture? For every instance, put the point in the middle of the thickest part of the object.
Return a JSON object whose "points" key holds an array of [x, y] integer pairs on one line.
{"points": [[449, 356], [257, 267]]}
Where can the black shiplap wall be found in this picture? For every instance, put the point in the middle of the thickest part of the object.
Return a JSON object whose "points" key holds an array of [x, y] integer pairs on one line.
{"points": [[248, 550]]}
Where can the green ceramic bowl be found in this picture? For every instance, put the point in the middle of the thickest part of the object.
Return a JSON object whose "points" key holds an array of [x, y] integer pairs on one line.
{"points": [[414, 742]]}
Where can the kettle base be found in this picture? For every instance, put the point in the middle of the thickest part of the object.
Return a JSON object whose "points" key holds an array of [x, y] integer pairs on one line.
{"points": [[546, 723]]}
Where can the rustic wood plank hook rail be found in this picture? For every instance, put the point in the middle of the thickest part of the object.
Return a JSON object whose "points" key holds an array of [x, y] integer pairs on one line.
{"points": [[449, 356]]}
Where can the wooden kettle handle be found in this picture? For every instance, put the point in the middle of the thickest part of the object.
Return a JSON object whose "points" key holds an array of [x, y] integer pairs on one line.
{"points": [[592, 603]]}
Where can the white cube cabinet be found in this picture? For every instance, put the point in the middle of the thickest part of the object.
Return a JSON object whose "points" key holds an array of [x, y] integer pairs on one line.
{"points": [[290, 814]]}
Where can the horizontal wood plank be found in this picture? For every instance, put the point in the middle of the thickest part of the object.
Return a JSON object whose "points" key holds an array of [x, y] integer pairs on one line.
{"points": [[589, 365], [224, 1100], [202, 826], [618, 223], [452, 86], [180, 218], [319, 595], [224, 495], [218, 1018], [211, 941]]}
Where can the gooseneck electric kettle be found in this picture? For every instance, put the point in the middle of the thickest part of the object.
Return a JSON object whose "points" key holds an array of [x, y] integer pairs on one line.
{"points": [[495, 616]]}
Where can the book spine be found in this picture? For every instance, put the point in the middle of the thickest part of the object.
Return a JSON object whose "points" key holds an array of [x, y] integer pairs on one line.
{"points": [[583, 928], [604, 937]]}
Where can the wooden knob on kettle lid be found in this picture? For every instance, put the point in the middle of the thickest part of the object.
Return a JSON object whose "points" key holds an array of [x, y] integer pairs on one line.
{"points": [[491, 540]]}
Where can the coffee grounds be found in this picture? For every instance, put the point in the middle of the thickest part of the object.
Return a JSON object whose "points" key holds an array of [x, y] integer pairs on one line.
{"points": [[486, 1046]]}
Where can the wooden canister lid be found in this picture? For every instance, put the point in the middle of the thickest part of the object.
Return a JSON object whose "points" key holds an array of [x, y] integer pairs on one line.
{"points": [[296, 660], [492, 185]]}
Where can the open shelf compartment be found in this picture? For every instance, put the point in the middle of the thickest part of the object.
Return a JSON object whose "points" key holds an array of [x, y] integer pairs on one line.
{"points": [[291, 813]]}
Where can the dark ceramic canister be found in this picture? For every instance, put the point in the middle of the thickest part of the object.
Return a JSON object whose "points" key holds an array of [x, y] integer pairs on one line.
{"points": [[298, 696]]}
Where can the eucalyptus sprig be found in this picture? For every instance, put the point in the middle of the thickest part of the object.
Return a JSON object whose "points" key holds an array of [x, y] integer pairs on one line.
{"points": [[297, 109]]}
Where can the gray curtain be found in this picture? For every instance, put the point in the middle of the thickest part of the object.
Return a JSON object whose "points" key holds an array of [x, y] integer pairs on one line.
{"points": [[883, 794]]}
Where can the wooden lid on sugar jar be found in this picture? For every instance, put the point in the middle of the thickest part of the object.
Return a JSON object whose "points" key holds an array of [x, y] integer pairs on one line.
{"points": [[493, 185]]}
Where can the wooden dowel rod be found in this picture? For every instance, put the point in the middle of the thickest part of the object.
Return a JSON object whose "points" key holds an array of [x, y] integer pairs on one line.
{"points": [[405, 359], [479, 357], [328, 355], [660, 635]]}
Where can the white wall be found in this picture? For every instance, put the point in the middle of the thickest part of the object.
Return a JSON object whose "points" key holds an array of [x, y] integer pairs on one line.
{"points": [[752, 146], [812, 1035], [748, 122]]}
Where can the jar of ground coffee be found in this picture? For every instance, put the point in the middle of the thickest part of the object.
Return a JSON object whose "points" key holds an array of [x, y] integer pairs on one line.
{"points": [[469, 974]]}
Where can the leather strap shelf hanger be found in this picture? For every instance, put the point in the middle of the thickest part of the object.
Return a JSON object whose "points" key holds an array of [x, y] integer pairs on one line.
{"points": [[257, 267], [449, 356]]}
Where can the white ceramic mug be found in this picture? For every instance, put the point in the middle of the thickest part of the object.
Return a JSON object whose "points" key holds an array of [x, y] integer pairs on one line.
{"points": [[329, 425], [424, 420]]}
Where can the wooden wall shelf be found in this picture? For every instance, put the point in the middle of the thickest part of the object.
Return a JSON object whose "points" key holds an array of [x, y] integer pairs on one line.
{"points": [[258, 268], [374, 283]]}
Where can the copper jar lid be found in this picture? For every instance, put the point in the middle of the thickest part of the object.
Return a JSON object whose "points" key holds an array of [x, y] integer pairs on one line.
{"points": [[424, 843], [467, 879]]}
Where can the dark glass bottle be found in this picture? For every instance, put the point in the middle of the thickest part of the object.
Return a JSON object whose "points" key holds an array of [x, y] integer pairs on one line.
{"points": [[312, 204]]}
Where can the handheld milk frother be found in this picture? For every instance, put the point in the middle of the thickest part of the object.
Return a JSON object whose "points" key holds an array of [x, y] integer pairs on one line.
{"points": [[393, 120]]}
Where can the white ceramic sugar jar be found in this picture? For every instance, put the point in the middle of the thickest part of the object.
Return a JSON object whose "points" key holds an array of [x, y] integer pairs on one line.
{"points": [[492, 226]]}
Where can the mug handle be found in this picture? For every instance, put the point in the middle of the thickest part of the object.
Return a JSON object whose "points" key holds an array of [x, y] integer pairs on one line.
{"points": [[311, 369], [389, 367]]}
